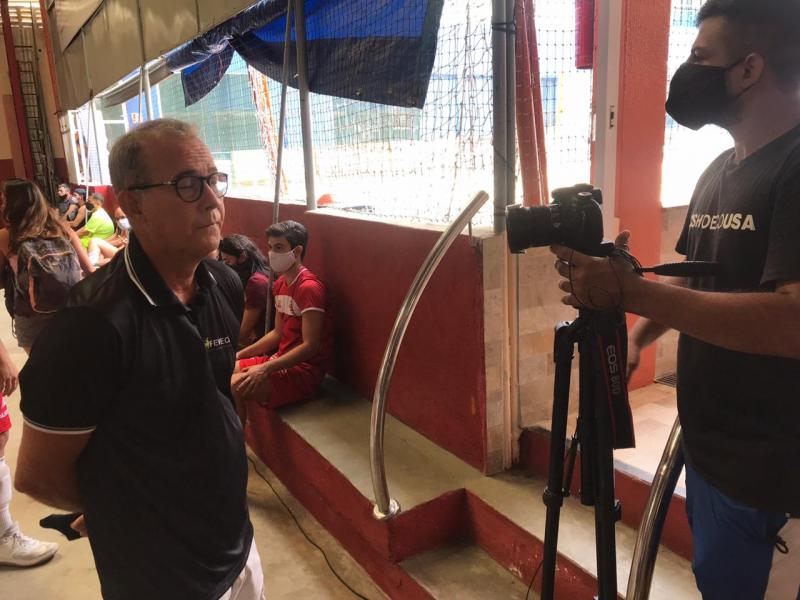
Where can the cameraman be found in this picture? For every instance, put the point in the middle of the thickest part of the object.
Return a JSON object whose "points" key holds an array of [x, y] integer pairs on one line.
{"points": [[739, 352]]}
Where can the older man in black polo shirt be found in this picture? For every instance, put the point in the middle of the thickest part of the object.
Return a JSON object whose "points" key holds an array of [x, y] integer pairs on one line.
{"points": [[146, 442]]}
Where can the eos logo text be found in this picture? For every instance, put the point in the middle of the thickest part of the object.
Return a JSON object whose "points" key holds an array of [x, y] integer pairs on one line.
{"points": [[614, 370]]}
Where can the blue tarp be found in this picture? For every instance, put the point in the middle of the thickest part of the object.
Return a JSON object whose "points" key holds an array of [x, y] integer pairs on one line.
{"points": [[372, 50]]}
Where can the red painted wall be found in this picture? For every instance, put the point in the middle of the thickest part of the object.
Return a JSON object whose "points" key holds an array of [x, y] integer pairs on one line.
{"points": [[438, 384], [640, 141], [7, 170]]}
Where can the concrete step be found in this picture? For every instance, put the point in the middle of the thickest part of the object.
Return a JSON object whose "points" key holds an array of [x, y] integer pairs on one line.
{"points": [[320, 450], [466, 572]]}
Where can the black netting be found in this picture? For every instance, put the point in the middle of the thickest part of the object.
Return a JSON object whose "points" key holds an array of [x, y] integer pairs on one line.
{"points": [[392, 161]]}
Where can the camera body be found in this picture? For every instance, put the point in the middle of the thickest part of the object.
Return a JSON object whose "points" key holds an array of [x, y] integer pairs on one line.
{"points": [[574, 219]]}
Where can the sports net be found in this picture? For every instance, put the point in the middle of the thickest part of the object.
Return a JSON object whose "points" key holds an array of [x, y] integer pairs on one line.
{"points": [[418, 165]]}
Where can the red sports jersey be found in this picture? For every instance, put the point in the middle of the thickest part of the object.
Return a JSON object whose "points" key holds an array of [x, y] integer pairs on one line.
{"points": [[304, 294]]}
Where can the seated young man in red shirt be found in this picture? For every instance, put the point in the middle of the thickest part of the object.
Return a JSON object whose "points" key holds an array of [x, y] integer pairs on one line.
{"points": [[302, 334]]}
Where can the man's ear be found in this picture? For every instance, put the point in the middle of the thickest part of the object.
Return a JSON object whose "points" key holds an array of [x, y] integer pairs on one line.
{"points": [[299, 252], [754, 67]]}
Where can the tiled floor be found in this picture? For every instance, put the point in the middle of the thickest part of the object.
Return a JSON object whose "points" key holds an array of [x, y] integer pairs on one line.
{"points": [[654, 412]]}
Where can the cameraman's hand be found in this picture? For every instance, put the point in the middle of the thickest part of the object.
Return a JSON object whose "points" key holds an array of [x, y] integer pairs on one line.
{"points": [[634, 356], [595, 283]]}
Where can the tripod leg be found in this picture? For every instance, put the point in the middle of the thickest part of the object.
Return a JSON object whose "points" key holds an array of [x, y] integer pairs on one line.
{"points": [[605, 516], [554, 492], [599, 443]]}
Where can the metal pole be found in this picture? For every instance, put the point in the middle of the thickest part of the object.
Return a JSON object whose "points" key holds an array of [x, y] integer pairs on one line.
{"points": [[385, 507], [144, 75], [305, 105], [16, 91], [93, 108], [500, 109], [148, 97], [276, 203], [287, 46], [84, 151], [141, 91], [645, 551], [511, 106]]}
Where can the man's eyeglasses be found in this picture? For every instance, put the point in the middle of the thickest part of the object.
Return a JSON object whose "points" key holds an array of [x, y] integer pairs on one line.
{"points": [[190, 187]]}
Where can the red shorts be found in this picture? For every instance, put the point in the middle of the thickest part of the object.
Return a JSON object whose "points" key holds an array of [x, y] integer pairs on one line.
{"points": [[288, 386], [5, 417]]}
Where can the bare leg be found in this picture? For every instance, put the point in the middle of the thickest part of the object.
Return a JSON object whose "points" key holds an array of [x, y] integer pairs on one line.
{"points": [[17, 549]]}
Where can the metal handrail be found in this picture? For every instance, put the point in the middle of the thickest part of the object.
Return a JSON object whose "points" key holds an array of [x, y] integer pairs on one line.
{"points": [[655, 513], [386, 507]]}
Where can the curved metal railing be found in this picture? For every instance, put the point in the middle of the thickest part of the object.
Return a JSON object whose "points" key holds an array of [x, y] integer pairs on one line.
{"points": [[385, 507], [655, 513]]}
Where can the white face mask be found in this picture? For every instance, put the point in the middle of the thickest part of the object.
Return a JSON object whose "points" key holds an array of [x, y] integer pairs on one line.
{"points": [[280, 263], [124, 224]]}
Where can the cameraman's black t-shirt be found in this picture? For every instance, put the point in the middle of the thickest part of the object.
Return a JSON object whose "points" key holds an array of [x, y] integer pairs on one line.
{"points": [[741, 412]]}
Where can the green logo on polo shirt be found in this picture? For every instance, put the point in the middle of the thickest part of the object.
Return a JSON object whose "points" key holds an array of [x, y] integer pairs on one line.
{"points": [[217, 343]]}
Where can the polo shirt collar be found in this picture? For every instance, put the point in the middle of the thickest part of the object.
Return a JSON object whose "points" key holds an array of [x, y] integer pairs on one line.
{"points": [[146, 279]]}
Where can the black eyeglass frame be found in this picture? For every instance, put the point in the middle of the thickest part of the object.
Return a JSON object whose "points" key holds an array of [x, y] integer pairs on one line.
{"points": [[204, 181]]}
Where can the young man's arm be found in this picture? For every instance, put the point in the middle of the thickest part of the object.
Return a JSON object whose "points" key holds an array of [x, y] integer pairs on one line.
{"points": [[79, 217], [249, 321], [313, 323], [46, 467], [757, 323], [267, 343]]}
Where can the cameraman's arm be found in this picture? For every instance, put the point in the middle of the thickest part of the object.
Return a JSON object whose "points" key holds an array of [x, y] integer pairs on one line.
{"points": [[646, 332], [756, 323]]}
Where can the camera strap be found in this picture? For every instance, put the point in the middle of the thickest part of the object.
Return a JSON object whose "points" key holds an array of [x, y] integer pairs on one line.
{"points": [[612, 348]]}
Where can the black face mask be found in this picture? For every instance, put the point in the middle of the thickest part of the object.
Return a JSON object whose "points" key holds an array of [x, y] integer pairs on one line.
{"points": [[698, 96], [90, 206], [243, 271]]}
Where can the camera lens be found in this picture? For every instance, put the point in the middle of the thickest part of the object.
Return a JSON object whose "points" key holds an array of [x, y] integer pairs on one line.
{"points": [[530, 227]]}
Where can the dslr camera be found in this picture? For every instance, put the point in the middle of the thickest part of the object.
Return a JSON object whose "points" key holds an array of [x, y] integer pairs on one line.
{"points": [[574, 219]]}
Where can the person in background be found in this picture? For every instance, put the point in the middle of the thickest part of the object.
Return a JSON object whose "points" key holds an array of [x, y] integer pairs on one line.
{"points": [[37, 234], [242, 255], [77, 217], [100, 225], [102, 251], [67, 205], [16, 548], [288, 364]]}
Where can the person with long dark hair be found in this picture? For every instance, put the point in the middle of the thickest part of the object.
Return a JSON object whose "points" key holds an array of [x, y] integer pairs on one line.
{"points": [[36, 246], [35, 232], [241, 254]]}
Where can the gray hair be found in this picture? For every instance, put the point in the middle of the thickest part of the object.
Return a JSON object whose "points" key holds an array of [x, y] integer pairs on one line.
{"points": [[126, 162]]}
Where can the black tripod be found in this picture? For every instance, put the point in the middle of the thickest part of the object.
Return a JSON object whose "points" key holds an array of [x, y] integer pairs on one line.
{"points": [[604, 423]]}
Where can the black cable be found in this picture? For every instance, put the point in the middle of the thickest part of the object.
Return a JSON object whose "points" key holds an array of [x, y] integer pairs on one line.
{"points": [[303, 531], [535, 573]]}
